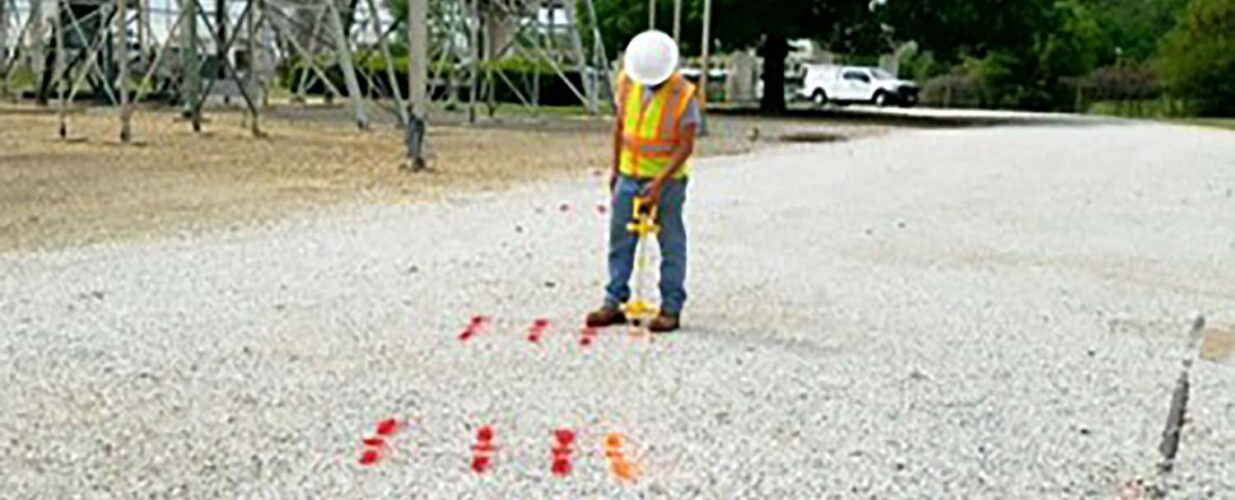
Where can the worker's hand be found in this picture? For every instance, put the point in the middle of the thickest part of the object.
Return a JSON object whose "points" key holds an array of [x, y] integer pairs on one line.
{"points": [[651, 193], [613, 180]]}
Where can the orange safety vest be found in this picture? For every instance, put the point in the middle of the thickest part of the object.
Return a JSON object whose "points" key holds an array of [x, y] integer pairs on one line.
{"points": [[652, 132]]}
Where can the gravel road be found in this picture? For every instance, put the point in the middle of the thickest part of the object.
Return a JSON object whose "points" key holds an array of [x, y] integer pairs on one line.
{"points": [[980, 313]]}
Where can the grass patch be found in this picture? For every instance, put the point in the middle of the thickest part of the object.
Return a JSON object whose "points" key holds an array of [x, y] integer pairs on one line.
{"points": [[1226, 123], [1148, 108], [518, 110], [1157, 109], [22, 80]]}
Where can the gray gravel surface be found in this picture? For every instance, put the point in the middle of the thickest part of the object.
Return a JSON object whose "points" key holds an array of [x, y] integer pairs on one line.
{"points": [[984, 313]]}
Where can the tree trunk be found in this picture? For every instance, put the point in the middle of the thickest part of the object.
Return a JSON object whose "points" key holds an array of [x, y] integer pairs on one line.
{"points": [[220, 24], [775, 50], [4, 49]]}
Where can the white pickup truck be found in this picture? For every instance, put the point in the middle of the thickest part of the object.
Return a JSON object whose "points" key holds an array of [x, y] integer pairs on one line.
{"points": [[851, 84]]}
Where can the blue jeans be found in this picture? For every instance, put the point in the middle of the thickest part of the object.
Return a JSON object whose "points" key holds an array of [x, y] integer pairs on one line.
{"points": [[672, 240]]}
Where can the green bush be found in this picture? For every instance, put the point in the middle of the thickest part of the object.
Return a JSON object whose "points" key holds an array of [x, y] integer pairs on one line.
{"points": [[1072, 48], [1029, 76], [1197, 59], [922, 66], [954, 90]]}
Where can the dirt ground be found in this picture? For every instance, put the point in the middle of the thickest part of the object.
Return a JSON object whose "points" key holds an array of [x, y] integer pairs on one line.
{"points": [[92, 188]]}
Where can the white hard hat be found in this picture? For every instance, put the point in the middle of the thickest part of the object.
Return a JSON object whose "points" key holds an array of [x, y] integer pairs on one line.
{"points": [[651, 58]]}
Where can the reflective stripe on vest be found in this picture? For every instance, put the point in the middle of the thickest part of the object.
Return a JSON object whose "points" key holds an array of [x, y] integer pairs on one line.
{"points": [[651, 132]]}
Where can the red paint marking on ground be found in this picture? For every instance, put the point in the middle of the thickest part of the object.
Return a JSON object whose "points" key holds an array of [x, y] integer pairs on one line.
{"points": [[387, 427], [474, 327], [374, 442], [588, 336], [561, 467], [537, 330], [482, 451], [561, 451], [370, 457]]}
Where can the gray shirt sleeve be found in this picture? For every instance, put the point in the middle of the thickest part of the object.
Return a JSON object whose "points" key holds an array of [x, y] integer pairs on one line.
{"points": [[691, 117]]}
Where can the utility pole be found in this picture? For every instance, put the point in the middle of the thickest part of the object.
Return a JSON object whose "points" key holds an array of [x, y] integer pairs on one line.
{"points": [[58, 27], [489, 45], [677, 22], [255, 7], [4, 47], [122, 56], [706, 61], [143, 22], [220, 24], [343, 52], [598, 51], [191, 87], [474, 67], [397, 94], [588, 78], [418, 75], [536, 37], [302, 88], [35, 34], [651, 14], [418, 52]]}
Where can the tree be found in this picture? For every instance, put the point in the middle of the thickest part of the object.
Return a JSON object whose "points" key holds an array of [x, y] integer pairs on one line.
{"points": [[1069, 49], [1197, 59], [1131, 29], [1018, 51], [953, 29]]}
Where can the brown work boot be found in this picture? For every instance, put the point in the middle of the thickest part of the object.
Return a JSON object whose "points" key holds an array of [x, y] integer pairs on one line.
{"points": [[605, 316], [665, 323]]}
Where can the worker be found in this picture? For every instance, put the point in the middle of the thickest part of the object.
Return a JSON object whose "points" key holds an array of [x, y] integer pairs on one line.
{"points": [[657, 118]]}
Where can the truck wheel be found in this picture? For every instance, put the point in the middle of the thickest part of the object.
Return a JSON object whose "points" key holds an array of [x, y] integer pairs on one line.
{"points": [[819, 98], [881, 98]]}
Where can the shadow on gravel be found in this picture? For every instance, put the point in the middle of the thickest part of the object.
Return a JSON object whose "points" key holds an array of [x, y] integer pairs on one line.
{"points": [[810, 137], [797, 346]]}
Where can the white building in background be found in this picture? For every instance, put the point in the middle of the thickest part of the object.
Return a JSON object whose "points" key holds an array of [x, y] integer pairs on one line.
{"points": [[743, 77]]}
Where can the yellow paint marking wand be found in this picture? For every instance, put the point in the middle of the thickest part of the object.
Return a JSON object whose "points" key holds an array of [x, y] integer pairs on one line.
{"points": [[639, 312]]}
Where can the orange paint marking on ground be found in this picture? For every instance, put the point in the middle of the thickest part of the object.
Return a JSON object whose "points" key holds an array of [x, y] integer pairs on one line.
{"points": [[619, 465]]}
